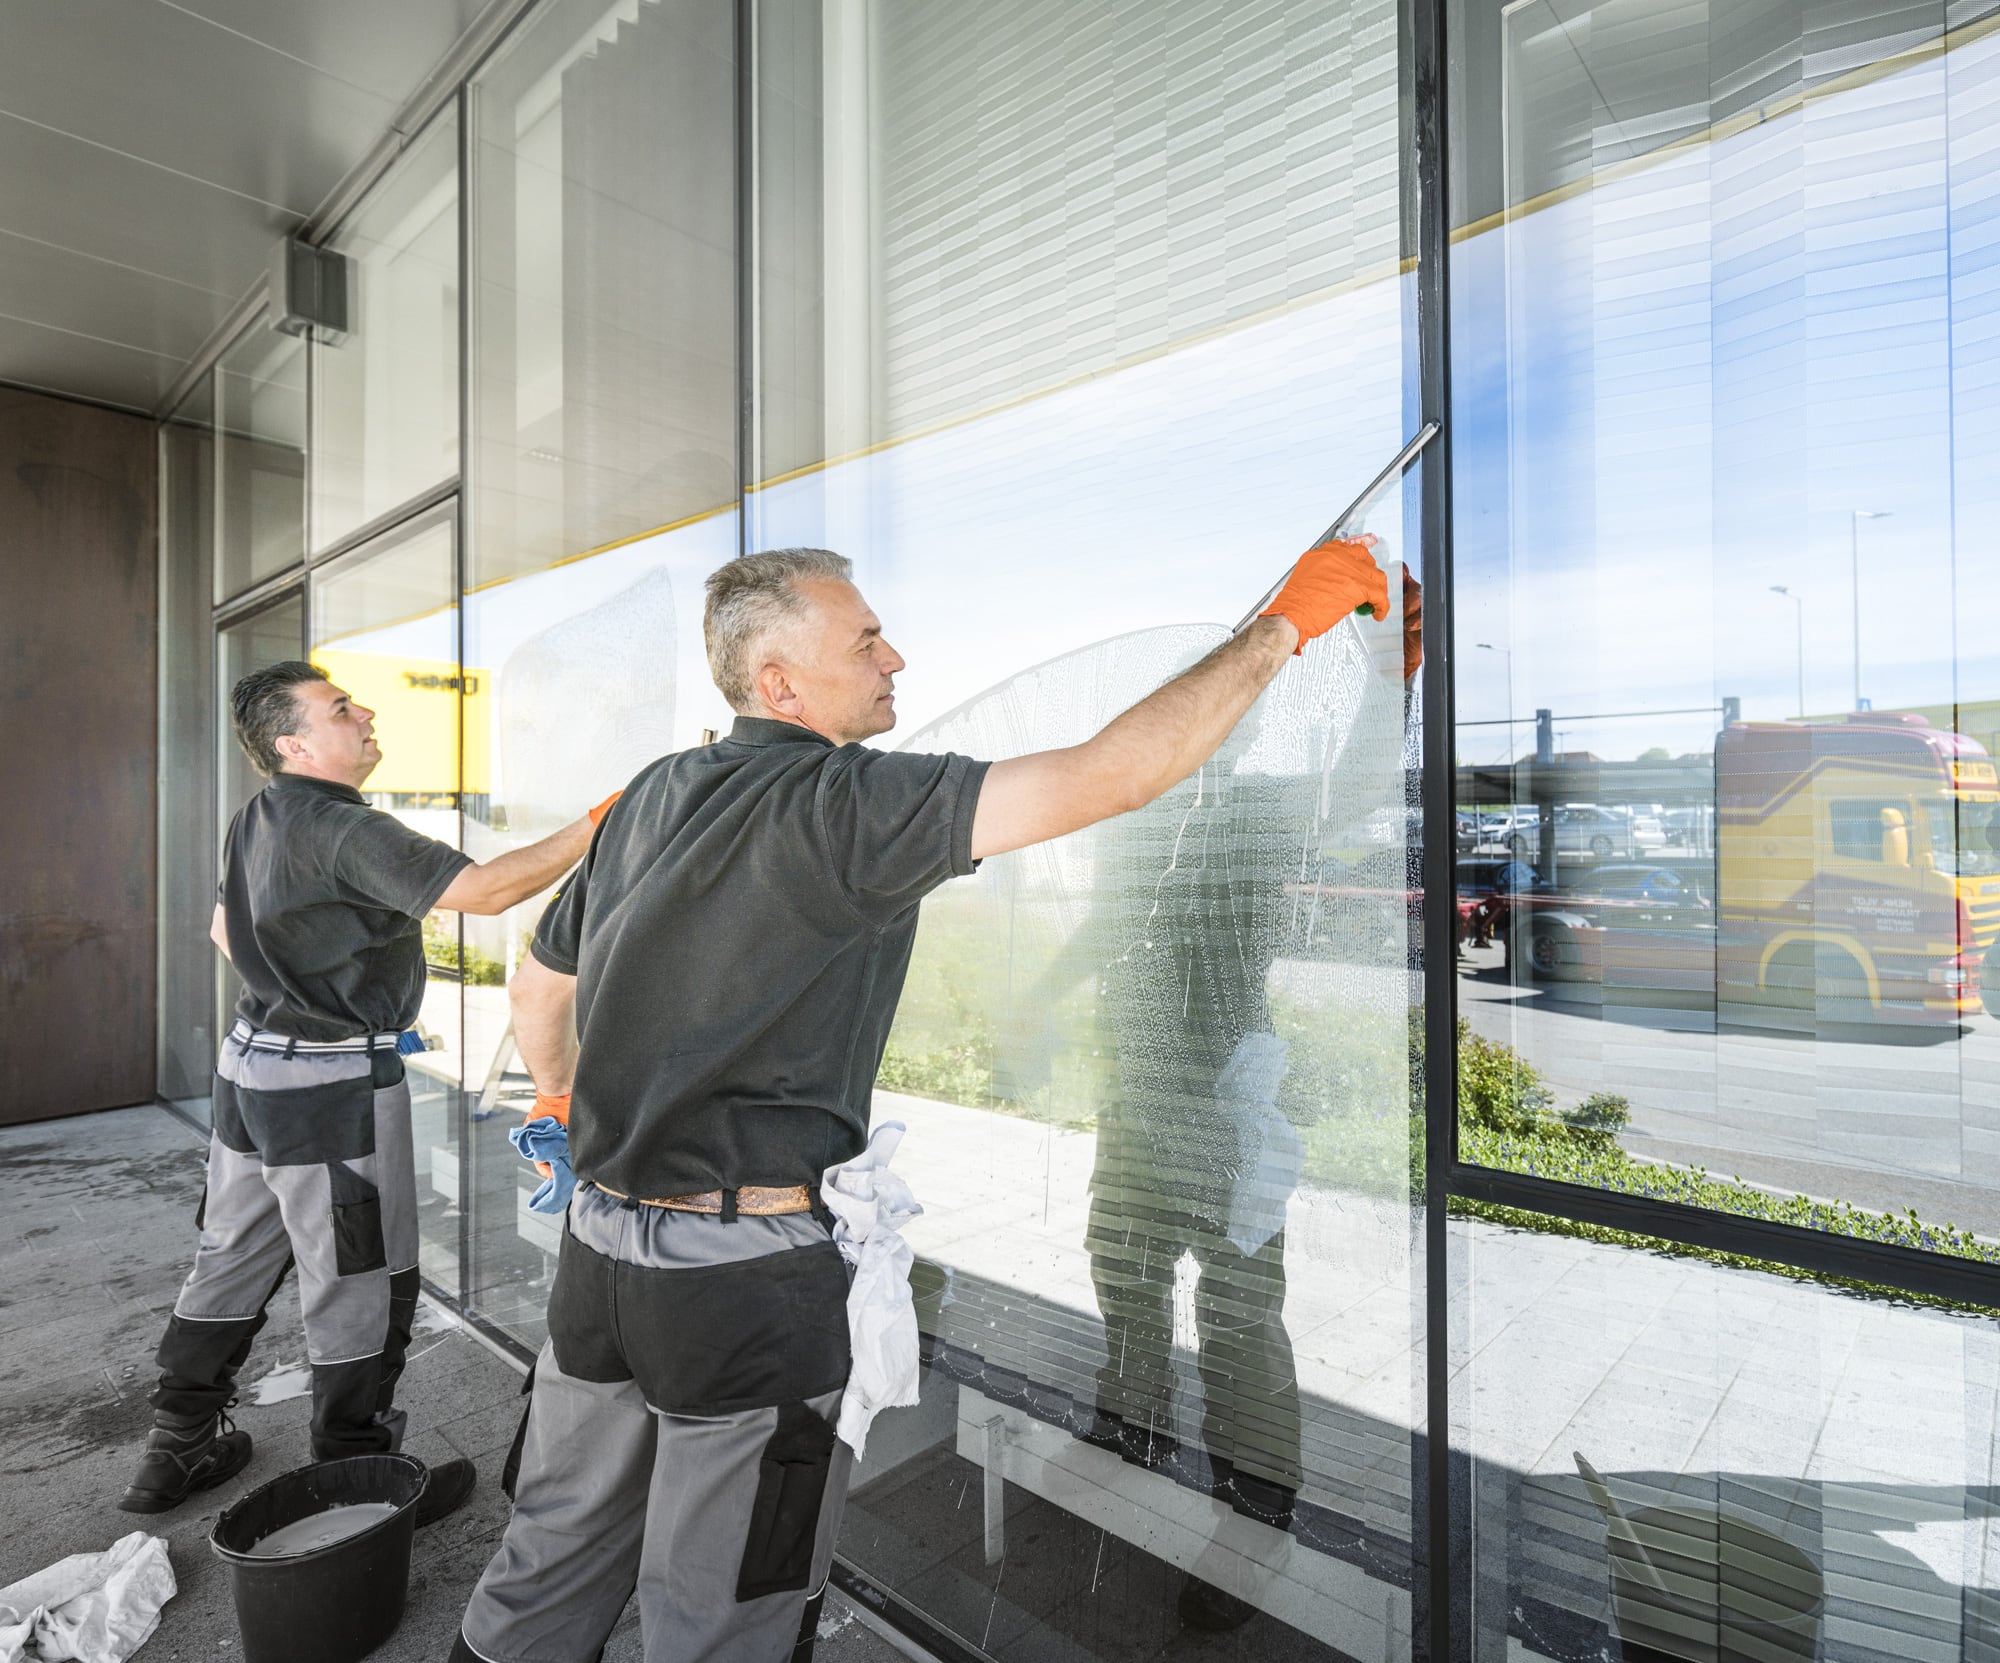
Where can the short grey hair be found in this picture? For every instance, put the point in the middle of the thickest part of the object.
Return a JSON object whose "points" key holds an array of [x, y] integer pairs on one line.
{"points": [[747, 599]]}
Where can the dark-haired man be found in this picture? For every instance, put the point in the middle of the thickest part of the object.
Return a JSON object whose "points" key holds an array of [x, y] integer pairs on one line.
{"points": [[310, 1161], [715, 985]]}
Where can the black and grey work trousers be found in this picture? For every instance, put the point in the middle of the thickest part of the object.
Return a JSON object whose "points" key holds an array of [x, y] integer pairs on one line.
{"points": [[309, 1163], [680, 1442]]}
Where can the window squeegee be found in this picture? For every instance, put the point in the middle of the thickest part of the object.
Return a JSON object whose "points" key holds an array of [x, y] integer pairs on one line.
{"points": [[1351, 517]]}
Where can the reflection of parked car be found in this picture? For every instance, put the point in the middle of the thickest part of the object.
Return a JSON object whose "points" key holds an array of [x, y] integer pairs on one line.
{"points": [[1583, 828], [1644, 883], [1628, 924]]}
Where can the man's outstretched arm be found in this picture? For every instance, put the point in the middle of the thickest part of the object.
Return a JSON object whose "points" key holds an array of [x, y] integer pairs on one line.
{"points": [[492, 886], [1168, 734]]}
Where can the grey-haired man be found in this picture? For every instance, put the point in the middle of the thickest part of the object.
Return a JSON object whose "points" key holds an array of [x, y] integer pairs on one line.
{"points": [[715, 986], [310, 1162]]}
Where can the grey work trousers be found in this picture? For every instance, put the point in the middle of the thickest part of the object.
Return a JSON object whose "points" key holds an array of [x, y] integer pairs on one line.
{"points": [[617, 1495], [309, 1162]]}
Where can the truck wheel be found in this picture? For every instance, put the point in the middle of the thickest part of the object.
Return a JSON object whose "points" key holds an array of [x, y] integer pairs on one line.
{"points": [[1600, 845], [1830, 985], [1517, 845], [1843, 987]]}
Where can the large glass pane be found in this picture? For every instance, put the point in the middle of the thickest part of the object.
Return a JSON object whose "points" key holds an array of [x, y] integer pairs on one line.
{"points": [[604, 313], [385, 399], [1723, 312], [269, 636], [1672, 1460], [385, 628], [260, 417], [603, 485], [187, 1037], [1076, 323]]}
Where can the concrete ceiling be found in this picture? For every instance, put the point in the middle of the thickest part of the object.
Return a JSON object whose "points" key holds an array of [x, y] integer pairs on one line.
{"points": [[152, 152]]}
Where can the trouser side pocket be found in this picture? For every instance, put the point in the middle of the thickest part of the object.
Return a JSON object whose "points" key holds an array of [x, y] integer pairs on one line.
{"points": [[356, 1222], [784, 1523]]}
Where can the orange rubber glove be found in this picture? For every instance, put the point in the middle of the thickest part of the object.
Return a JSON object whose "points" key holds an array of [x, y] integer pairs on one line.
{"points": [[598, 813], [557, 1109], [1413, 625], [1329, 583]]}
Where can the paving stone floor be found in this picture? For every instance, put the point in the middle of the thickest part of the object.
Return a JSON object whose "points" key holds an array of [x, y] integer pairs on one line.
{"points": [[94, 1240]]}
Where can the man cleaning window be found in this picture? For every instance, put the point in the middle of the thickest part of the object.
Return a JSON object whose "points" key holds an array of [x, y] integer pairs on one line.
{"points": [[706, 1005], [310, 1161]]}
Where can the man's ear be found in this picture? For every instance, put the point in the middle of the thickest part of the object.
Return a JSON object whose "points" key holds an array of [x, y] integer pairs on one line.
{"points": [[775, 688], [290, 746]]}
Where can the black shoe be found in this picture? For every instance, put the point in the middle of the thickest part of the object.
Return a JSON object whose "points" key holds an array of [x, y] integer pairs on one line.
{"points": [[447, 1487], [1206, 1607], [1262, 1499], [185, 1454]]}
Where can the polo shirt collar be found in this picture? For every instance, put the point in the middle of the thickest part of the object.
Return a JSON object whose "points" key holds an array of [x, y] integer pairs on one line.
{"points": [[760, 730], [290, 783]]}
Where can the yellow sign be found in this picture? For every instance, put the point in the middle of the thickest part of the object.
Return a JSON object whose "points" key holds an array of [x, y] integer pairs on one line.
{"points": [[417, 704]]}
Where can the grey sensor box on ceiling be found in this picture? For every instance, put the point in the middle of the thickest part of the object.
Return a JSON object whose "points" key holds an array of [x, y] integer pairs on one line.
{"points": [[310, 289]]}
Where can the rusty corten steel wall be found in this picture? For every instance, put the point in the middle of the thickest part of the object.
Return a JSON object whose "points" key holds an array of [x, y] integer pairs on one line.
{"points": [[78, 642]]}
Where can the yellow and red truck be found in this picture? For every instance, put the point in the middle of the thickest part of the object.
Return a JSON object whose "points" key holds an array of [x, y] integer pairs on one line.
{"points": [[1857, 874]]}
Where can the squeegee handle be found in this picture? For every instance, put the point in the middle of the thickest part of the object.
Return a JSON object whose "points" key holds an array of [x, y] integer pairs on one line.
{"points": [[1349, 517]]}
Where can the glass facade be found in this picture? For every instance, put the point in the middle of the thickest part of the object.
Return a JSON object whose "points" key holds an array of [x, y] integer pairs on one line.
{"points": [[1721, 329], [1152, 1176], [1069, 323], [385, 399], [260, 460], [1716, 1462]]}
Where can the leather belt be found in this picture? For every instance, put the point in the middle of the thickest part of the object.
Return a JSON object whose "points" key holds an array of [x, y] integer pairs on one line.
{"points": [[752, 1200]]}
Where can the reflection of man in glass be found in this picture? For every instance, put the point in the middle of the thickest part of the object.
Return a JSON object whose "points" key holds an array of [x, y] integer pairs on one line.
{"points": [[1193, 1155]]}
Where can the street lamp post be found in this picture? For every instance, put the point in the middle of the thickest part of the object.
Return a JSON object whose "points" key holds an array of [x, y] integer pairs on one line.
{"points": [[1799, 602], [1854, 518]]}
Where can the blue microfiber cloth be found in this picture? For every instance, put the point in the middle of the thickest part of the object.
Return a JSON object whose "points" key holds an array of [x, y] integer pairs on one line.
{"points": [[409, 1042], [546, 1139]]}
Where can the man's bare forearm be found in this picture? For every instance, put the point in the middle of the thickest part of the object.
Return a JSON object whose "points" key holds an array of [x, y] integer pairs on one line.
{"points": [[1155, 745], [1171, 732], [544, 1006], [506, 880]]}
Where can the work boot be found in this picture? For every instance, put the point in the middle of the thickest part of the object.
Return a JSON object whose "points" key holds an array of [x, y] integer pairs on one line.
{"points": [[185, 1453], [1206, 1607], [447, 1487]]}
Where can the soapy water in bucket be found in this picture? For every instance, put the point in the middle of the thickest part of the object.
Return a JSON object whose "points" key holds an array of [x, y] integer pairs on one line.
{"points": [[322, 1530]]}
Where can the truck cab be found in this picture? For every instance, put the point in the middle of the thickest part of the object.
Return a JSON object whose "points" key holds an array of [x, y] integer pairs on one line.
{"points": [[1857, 876]]}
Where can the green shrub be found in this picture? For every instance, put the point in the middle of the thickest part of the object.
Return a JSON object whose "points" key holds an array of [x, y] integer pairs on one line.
{"points": [[475, 967], [1497, 1090], [1504, 1124]]}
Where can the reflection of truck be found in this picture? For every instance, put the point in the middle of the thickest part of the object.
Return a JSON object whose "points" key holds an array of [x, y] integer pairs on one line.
{"points": [[1857, 873]]}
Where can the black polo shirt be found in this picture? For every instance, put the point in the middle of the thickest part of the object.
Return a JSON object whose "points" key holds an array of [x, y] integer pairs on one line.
{"points": [[739, 933], [323, 900]]}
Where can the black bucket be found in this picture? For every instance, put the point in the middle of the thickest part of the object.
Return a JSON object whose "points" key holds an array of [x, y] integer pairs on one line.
{"points": [[334, 1604]]}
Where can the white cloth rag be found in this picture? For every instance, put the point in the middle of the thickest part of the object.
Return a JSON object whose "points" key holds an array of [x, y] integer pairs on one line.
{"points": [[870, 1206], [90, 1607]]}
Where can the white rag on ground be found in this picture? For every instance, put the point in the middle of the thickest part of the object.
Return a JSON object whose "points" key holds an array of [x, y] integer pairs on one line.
{"points": [[870, 1206], [90, 1607]]}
